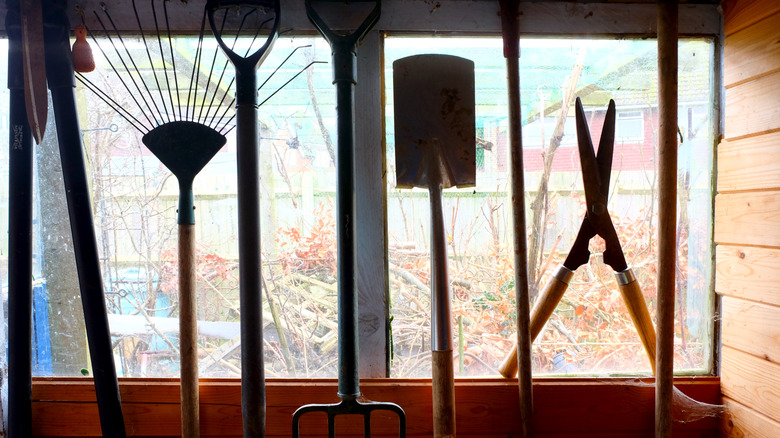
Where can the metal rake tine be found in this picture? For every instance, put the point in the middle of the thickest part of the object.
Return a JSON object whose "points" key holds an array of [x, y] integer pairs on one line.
{"points": [[280, 65], [153, 120], [288, 81], [164, 113]]}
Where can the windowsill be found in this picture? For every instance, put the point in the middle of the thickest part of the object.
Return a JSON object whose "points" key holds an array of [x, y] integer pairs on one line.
{"points": [[486, 407]]}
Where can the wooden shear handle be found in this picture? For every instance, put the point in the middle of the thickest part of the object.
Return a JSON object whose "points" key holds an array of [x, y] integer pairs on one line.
{"points": [[637, 308], [543, 308], [552, 294]]}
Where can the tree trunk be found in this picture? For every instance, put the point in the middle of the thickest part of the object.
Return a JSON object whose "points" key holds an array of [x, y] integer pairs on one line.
{"points": [[66, 316]]}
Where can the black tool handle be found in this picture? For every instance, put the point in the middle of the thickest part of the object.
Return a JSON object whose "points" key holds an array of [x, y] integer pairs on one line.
{"points": [[253, 397], [20, 202], [344, 51], [59, 71]]}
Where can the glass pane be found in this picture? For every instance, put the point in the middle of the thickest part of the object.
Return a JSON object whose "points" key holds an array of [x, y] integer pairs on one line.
{"points": [[135, 201], [590, 331]]}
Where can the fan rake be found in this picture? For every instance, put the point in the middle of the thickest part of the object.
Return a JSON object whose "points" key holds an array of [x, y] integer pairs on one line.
{"points": [[183, 119]]}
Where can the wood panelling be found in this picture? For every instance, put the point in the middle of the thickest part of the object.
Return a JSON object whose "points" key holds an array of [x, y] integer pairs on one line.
{"points": [[751, 327], [739, 14], [749, 218], [752, 381], [748, 272], [752, 107], [486, 408], [743, 422], [752, 163], [753, 52]]}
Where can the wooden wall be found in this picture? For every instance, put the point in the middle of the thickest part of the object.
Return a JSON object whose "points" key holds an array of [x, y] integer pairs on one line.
{"points": [[487, 408], [747, 219]]}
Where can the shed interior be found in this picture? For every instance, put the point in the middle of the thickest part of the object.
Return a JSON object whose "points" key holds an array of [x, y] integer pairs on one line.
{"points": [[745, 376]]}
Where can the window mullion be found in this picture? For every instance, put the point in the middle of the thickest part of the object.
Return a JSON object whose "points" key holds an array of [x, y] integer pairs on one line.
{"points": [[371, 221]]}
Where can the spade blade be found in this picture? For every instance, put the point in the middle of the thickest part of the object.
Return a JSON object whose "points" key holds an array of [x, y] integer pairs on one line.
{"points": [[435, 134]]}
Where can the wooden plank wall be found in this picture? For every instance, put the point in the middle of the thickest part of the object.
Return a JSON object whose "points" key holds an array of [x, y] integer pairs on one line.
{"points": [[487, 408], [747, 220]]}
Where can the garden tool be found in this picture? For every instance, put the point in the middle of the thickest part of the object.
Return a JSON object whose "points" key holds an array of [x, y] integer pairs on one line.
{"points": [[20, 246], [510, 29], [435, 141], [61, 81], [596, 169], [185, 147], [184, 144], [344, 51], [248, 161]]}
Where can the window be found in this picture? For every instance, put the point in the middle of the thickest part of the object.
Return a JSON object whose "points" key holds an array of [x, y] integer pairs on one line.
{"points": [[629, 126], [590, 332], [134, 198]]}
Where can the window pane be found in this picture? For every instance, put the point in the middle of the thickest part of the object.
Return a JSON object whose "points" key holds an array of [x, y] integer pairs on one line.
{"points": [[134, 205], [590, 331]]}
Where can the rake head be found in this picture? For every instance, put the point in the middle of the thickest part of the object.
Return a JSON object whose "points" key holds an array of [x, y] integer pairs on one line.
{"points": [[184, 147], [350, 406]]}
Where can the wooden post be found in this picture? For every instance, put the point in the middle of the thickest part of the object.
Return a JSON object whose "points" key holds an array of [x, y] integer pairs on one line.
{"points": [[667, 212]]}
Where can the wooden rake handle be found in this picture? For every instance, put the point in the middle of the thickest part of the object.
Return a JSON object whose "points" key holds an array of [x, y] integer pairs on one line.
{"points": [[188, 333], [551, 296]]}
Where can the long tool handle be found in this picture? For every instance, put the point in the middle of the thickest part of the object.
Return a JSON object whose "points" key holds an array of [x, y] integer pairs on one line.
{"points": [[443, 383], [637, 308], [188, 333], [253, 395], [510, 11], [441, 313], [346, 246], [344, 53], [668, 17], [59, 70], [20, 272], [544, 307], [250, 275]]}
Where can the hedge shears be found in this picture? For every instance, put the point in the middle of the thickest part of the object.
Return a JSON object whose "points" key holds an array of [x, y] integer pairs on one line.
{"points": [[596, 170]]}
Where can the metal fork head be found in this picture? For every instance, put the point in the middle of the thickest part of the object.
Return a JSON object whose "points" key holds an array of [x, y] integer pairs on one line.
{"points": [[350, 406]]}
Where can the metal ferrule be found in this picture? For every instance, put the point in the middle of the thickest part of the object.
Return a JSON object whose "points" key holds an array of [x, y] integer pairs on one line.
{"points": [[563, 274], [625, 277]]}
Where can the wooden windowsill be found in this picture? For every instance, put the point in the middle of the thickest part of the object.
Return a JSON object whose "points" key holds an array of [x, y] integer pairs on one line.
{"points": [[486, 408]]}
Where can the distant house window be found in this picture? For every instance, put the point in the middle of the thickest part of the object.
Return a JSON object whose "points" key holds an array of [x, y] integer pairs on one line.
{"points": [[630, 126]]}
